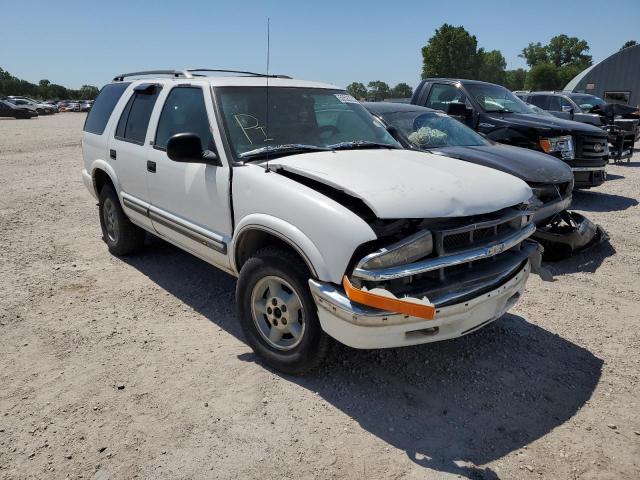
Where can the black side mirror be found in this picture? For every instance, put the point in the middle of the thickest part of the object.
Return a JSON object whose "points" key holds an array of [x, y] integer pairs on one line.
{"points": [[187, 147], [457, 109]]}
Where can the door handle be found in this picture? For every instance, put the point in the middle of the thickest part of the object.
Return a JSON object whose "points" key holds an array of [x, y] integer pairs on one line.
{"points": [[151, 166], [112, 154]]}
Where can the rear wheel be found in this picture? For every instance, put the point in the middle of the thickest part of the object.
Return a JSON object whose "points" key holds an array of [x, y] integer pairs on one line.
{"points": [[121, 236], [277, 313]]}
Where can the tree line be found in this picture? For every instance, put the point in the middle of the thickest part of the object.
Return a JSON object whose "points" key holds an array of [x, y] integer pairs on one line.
{"points": [[453, 52], [44, 90]]}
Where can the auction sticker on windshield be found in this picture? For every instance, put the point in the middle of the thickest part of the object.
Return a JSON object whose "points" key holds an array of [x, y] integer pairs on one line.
{"points": [[345, 98]]}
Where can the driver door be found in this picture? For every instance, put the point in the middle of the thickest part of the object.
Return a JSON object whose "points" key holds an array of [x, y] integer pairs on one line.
{"points": [[189, 201], [451, 100]]}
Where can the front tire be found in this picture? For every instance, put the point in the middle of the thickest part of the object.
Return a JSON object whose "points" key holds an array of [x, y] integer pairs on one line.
{"points": [[277, 313], [121, 236]]}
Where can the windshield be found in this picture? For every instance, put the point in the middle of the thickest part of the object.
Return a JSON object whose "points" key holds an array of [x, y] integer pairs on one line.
{"points": [[299, 119], [539, 111], [494, 98], [587, 102], [433, 129]]}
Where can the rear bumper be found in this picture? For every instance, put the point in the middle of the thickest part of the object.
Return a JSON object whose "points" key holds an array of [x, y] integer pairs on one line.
{"points": [[363, 327]]}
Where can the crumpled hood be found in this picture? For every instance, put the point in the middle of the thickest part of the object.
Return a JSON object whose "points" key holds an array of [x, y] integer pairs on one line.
{"points": [[529, 165], [408, 184], [544, 122]]}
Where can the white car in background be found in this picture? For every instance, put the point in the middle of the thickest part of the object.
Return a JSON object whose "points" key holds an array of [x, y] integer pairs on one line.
{"points": [[332, 229]]}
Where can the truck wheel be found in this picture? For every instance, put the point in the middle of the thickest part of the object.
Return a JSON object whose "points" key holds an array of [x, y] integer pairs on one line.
{"points": [[277, 313], [121, 236]]}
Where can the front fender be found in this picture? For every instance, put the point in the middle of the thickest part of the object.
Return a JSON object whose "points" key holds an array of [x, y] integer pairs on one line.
{"points": [[290, 234]]}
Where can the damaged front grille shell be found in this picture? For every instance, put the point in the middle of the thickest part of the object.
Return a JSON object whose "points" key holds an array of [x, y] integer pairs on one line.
{"points": [[467, 259]]}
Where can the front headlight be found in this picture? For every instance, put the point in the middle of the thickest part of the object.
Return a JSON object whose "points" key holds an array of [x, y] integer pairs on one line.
{"points": [[563, 144], [406, 251]]}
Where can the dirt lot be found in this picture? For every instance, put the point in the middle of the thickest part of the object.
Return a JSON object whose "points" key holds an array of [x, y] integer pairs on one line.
{"points": [[551, 390]]}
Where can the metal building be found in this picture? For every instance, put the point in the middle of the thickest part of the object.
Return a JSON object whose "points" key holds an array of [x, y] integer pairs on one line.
{"points": [[616, 79]]}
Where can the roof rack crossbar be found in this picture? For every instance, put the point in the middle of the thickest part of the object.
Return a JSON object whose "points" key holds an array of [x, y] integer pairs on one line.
{"points": [[253, 74], [175, 73]]}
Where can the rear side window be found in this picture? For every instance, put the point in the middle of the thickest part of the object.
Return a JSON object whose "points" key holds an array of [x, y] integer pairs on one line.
{"points": [[541, 101], [134, 119], [99, 115], [184, 111]]}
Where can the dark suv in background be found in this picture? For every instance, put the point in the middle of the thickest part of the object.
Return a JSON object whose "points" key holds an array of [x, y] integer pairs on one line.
{"points": [[497, 113], [619, 121]]}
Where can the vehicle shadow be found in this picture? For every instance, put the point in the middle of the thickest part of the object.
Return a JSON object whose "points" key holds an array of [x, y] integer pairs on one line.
{"points": [[601, 202], [613, 176], [452, 406]]}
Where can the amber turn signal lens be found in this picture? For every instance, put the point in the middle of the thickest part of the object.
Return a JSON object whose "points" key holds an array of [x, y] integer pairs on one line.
{"points": [[545, 144], [389, 304]]}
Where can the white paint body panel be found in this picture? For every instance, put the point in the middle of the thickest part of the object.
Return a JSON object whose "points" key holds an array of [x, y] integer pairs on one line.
{"points": [[327, 232], [407, 184]]}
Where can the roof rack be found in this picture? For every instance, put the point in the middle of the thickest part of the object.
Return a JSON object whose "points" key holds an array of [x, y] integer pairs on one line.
{"points": [[190, 73]]}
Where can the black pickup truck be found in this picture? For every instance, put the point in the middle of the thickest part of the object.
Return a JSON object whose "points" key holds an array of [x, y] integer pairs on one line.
{"points": [[501, 116]]}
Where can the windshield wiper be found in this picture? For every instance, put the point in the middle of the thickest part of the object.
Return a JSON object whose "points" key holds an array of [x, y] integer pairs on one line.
{"points": [[291, 148], [359, 144], [500, 110]]}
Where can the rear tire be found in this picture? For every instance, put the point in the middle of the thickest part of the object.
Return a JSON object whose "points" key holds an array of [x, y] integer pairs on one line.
{"points": [[119, 233], [277, 312]]}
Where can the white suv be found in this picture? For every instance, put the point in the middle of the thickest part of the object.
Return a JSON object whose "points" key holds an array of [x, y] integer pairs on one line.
{"points": [[292, 186]]}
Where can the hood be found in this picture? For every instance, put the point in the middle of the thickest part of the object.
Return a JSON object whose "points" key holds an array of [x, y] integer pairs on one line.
{"points": [[409, 184], [529, 165], [531, 120]]}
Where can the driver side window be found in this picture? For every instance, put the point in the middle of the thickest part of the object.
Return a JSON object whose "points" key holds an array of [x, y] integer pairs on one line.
{"points": [[184, 111], [442, 95]]}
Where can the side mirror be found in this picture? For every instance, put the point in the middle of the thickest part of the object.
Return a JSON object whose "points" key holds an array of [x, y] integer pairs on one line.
{"points": [[187, 148], [457, 109]]}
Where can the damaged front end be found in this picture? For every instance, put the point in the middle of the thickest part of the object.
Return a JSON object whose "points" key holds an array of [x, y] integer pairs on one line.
{"points": [[444, 279], [561, 232], [567, 233]]}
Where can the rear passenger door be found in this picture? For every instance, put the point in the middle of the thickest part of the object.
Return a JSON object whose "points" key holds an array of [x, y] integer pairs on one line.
{"points": [[190, 201], [128, 151]]}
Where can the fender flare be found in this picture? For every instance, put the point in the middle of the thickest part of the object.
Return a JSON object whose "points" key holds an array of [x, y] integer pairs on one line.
{"points": [[288, 233], [108, 169]]}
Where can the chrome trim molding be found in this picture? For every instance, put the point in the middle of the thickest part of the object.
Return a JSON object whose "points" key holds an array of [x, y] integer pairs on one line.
{"points": [[431, 264], [181, 228]]}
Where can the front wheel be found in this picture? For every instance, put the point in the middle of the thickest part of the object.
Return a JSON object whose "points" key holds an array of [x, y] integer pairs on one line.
{"points": [[121, 236], [277, 313]]}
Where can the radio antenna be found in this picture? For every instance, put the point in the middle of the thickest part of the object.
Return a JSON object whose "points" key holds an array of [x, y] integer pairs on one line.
{"points": [[266, 125]]}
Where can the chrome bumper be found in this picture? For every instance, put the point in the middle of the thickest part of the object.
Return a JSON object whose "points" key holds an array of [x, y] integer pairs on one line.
{"points": [[363, 327], [437, 263]]}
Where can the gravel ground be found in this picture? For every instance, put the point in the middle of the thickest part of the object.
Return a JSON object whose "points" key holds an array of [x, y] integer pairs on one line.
{"points": [[135, 368]]}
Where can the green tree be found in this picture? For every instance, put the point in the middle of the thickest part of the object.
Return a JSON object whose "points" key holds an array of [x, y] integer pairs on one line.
{"points": [[492, 67], [514, 79], [402, 90], [357, 90], [451, 52], [88, 92], [535, 53], [543, 76], [563, 50], [629, 43], [378, 90], [560, 51]]}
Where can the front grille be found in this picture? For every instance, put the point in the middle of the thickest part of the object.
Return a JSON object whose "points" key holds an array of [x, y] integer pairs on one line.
{"points": [[591, 146], [452, 240]]}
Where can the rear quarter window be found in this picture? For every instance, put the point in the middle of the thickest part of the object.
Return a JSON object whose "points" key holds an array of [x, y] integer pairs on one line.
{"points": [[101, 111]]}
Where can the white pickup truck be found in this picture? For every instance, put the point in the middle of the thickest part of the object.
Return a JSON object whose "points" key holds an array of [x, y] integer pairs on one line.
{"points": [[292, 186]]}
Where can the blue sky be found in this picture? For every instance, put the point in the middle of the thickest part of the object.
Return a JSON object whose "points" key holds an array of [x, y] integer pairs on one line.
{"points": [[83, 42]]}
